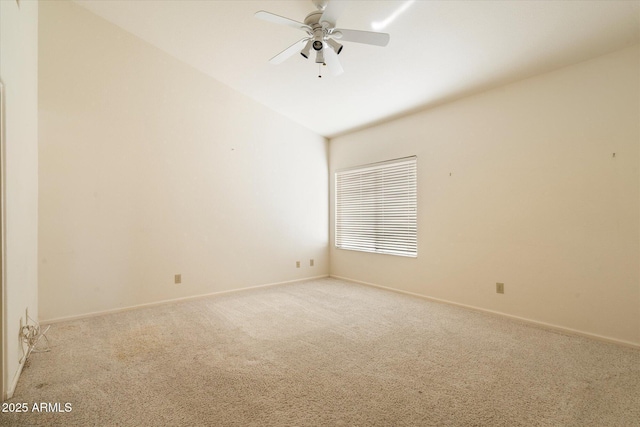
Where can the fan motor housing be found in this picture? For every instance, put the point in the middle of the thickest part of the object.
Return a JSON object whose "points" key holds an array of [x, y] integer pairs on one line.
{"points": [[313, 18]]}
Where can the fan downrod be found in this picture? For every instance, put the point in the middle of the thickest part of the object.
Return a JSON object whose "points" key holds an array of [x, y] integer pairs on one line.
{"points": [[320, 4]]}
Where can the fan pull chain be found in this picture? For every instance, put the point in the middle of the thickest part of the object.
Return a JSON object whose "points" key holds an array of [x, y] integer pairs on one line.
{"points": [[319, 71]]}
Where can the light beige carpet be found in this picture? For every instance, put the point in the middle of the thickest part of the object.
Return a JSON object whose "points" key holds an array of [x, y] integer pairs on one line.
{"points": [[324, 353]]}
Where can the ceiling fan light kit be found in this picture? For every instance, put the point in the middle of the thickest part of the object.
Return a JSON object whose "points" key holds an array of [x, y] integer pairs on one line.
{"points": [[306, 49], [337, 47], [320, 26]]}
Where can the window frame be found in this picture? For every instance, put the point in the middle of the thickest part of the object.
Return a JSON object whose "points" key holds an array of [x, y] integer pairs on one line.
{"points": [[388, 228]]}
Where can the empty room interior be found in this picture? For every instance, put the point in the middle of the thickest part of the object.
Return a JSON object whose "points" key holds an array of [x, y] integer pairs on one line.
{"points": [[385, 213]]}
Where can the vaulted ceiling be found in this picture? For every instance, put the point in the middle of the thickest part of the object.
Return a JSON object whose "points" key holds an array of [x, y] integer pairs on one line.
{"points": [[439, 50]]}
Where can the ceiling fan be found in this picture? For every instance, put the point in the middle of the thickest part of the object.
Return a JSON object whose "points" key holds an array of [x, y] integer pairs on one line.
{"points": [[320, 26]]}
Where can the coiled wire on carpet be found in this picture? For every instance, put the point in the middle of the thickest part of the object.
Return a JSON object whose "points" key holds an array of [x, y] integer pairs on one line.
{"points": [[31, 335]]}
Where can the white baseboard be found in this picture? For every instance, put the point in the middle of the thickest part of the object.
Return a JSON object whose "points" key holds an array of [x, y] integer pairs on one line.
{"points": [[510, 316], [169, 301], [14, 382]]}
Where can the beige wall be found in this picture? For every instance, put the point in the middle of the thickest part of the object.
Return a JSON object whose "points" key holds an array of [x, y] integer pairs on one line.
{"points": [[19, 74], [519, 185], [150, 168]]}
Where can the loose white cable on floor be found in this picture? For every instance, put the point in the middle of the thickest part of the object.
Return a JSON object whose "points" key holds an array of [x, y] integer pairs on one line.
{"points": [[31, 335]]}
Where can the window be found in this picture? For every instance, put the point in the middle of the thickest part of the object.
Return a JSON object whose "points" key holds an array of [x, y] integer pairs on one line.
{"points": [[376, 208]]}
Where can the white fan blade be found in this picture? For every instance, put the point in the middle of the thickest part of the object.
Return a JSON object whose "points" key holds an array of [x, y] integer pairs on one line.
{"points": [[333, 11], [288, 52], [332, 61], [366, 37], [277, 19]]}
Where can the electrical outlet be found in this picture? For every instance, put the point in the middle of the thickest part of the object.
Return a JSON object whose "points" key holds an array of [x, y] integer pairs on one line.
{"points": [[310, 263], [297, 264], [500, 288], [178, 279]]}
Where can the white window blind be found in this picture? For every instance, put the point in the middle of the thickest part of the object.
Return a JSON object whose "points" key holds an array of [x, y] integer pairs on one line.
{"points": [[376, 208]]}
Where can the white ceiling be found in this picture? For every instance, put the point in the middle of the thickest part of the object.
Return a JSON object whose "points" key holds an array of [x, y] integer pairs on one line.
{"points": [[439, 50]]}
